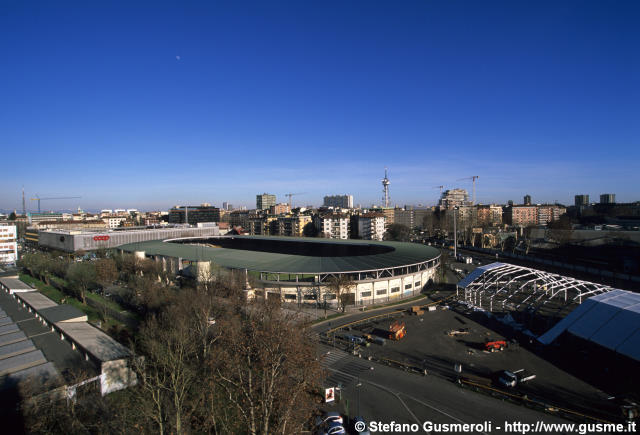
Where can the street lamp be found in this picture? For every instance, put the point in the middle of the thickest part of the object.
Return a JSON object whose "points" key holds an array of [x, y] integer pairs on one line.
{"points": [[358, 385]]}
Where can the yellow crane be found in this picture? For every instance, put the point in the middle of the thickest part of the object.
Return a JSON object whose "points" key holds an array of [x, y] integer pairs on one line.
{"points": [[473, 178]]}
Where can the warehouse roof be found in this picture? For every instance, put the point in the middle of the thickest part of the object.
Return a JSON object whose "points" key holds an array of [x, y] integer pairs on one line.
{"points": [[13, 283], [381, 255], [63, 313], [611, 320], [94, 341], [36, 300]]}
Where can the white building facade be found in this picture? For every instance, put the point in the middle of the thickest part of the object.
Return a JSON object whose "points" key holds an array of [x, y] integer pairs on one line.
{"points": [[8, 243], [371, 226], [333, 226]]}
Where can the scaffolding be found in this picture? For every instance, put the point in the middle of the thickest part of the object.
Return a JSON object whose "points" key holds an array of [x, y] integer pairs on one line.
{"points": [[502, 287]]}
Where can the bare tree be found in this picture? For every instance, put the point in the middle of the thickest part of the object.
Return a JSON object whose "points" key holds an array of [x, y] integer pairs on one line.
{"points": [[268, 370], [341, 285], [106, 272]]}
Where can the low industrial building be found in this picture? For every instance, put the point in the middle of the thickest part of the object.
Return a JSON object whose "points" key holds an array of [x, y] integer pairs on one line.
{"points": [[53, 323], [79, 240]]}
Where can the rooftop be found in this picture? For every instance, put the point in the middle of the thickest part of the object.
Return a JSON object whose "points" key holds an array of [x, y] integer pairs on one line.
{"points": [[291, 254]]}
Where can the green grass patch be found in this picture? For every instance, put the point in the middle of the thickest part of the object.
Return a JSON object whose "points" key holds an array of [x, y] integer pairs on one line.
{"points": [[104, 301], [58, 297]]}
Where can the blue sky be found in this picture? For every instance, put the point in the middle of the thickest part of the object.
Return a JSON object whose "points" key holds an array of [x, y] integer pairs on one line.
{"points": [[151, 104]]}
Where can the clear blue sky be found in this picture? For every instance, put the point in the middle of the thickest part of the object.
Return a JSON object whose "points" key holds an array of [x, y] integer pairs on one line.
{"points": [[150, 104]]}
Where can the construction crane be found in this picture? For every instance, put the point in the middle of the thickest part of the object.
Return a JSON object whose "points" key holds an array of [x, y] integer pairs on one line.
{"points": [[291, 195], [439, 187], [473, 178], [37, 198]]}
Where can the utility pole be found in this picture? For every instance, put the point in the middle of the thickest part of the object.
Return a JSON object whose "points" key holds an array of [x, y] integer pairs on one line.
{"points": [[455, 234], [24, 207]]}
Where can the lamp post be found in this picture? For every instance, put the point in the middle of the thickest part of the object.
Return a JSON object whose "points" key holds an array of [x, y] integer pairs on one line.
{"points": [[358, 385], [455, 234]]}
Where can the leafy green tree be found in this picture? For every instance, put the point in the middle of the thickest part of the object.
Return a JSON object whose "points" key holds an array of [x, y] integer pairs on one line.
{"points": [[81, 276], [12, 216]]}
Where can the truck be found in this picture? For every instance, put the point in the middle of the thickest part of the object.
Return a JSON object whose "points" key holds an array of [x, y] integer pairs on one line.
{"points": [[397, 330], [510, 379], [494, 346]]}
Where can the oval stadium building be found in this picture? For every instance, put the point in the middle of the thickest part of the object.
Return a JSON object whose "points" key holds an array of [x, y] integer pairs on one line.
{"points": [[300, 269]]}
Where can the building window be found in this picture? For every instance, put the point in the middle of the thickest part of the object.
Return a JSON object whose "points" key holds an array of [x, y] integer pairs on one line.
{"points": [[381, 292], [290, 297], [330, 296], [417, 284], [407, 286], [395, 289], [365, 294]]}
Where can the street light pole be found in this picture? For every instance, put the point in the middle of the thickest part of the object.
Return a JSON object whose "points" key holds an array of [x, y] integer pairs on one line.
{"points": [[455, 234], [358, 385]]}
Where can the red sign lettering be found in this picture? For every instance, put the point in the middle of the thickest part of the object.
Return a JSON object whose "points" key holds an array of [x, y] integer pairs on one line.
{"points": [[98, 238]]}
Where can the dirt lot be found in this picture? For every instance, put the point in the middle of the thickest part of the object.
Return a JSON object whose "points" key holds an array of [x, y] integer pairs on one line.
{"points": [[428, 346]]}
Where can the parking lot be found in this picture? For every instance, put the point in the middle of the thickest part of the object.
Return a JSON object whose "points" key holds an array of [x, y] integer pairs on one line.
{"points": [[438, 340]]}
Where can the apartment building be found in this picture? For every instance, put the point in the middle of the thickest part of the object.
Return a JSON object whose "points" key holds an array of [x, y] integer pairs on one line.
{"points": [[282, 208], [549, 213], [265, 201], [292, 225], [489, 215], [8, 243], [371, 226], [521, 215], [332, 226], [338, 201]]}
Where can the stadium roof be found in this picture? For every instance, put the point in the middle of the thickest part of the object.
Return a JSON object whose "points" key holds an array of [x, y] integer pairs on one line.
{"points": [[611, 320], [399, 254]]}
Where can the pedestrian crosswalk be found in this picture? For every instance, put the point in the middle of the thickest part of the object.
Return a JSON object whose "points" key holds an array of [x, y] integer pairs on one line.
{"points": [[342, 368]]}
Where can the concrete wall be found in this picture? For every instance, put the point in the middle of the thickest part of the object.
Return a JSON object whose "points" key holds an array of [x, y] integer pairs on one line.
{"points": [[362, 288]]}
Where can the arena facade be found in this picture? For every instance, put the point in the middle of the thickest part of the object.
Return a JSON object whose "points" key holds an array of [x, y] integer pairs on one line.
{"points": [[300, 269]]}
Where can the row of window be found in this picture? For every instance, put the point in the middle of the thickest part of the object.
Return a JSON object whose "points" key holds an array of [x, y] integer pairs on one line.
{"points": [[383, 291]]}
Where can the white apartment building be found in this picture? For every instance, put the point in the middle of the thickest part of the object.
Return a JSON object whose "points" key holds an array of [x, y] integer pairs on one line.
{"points": [[371, 226], [332, 226], [8, 243], [113, 221]]}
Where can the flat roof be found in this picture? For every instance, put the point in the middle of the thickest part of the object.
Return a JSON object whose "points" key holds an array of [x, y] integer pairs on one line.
{"points": [[13, 283], [36, 300], [63, 313], [396, 254], [94, 341]]}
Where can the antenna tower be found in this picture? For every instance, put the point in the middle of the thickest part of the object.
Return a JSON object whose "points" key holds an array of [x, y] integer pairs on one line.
{"points": [[385, 188]]}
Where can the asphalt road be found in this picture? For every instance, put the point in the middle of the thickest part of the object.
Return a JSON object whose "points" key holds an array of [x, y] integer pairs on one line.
{"points": [[387, 394]]}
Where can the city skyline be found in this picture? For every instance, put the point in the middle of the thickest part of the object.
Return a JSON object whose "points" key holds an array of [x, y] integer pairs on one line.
{"points": [[212, 103]]}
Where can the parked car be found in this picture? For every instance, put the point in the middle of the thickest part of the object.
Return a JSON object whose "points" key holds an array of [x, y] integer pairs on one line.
{"points": [[329, 417], [334, 429]]}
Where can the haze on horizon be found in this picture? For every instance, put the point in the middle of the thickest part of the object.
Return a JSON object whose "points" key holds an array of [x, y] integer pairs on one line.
{"points": [[141, 106]]}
